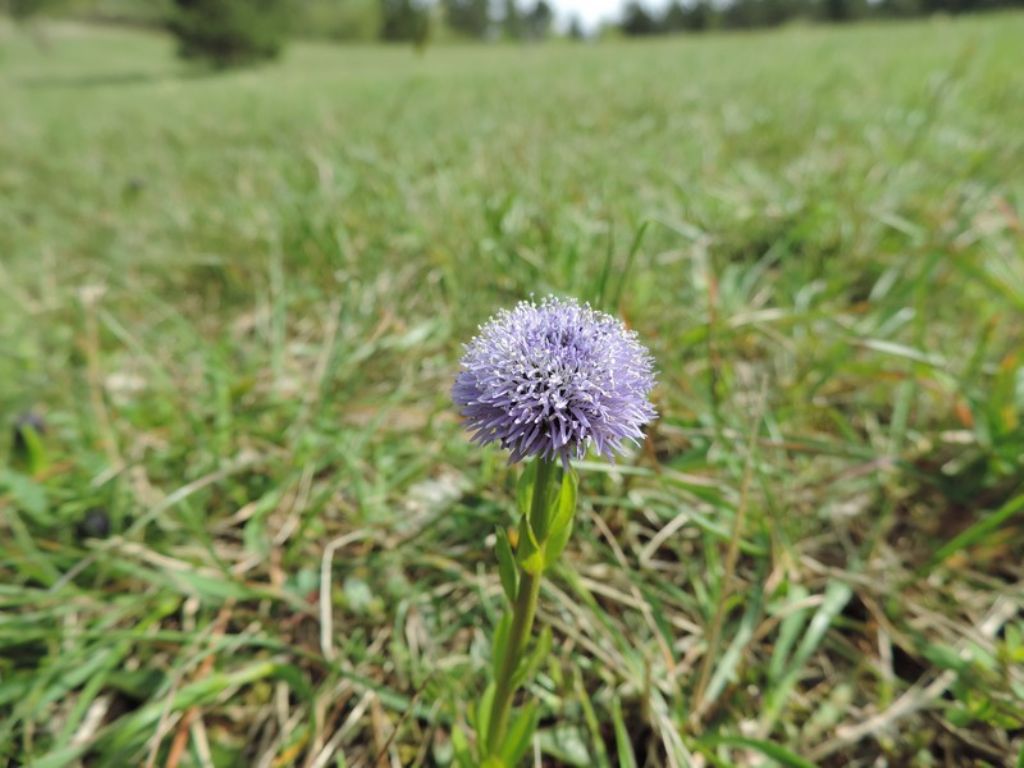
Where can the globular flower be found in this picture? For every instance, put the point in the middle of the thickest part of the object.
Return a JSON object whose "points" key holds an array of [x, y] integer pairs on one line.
{"points": [[553, 379]]}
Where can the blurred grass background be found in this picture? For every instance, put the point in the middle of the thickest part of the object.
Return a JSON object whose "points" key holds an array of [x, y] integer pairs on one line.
{"points": [[260, 537]]}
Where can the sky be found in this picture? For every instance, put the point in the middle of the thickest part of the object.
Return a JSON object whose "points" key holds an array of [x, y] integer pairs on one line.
{"points": [[593, 11]]}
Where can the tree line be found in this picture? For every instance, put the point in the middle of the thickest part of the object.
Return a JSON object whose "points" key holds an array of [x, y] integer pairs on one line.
{"points": [[345, 20], [640, 20], [227, 33], [468, 19], [231, 32]]}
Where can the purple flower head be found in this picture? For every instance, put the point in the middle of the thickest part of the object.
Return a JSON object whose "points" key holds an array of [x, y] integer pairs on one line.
{"points": [[554, 378]]}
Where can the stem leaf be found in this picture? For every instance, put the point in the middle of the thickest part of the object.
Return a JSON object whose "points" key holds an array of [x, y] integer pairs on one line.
{"points": [[524, 489], [529, 554], [520, 733], [483, 716], [460, 746], [561, 514], [507, 566]]}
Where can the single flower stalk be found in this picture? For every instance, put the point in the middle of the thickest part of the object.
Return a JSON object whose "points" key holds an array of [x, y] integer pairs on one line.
{"points": [[548, 382]]}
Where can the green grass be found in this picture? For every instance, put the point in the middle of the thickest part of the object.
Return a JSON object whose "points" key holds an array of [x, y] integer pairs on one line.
{"points": [[239, 301]]}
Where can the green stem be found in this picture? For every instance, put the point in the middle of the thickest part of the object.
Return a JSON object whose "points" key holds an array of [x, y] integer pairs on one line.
{"points": [[523, 611], [522, 623]]}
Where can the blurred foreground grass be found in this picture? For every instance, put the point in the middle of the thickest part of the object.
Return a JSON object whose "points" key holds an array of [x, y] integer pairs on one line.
{"points": [[261, 539]]}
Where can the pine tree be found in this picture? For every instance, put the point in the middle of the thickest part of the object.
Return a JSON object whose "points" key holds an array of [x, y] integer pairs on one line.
{"points": [[538, 20], [637, 20], [471, 18], [511, 20], [226, 33]]}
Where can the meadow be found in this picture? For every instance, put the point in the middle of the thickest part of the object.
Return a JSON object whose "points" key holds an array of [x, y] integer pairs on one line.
{"points": [[258, 535]]}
